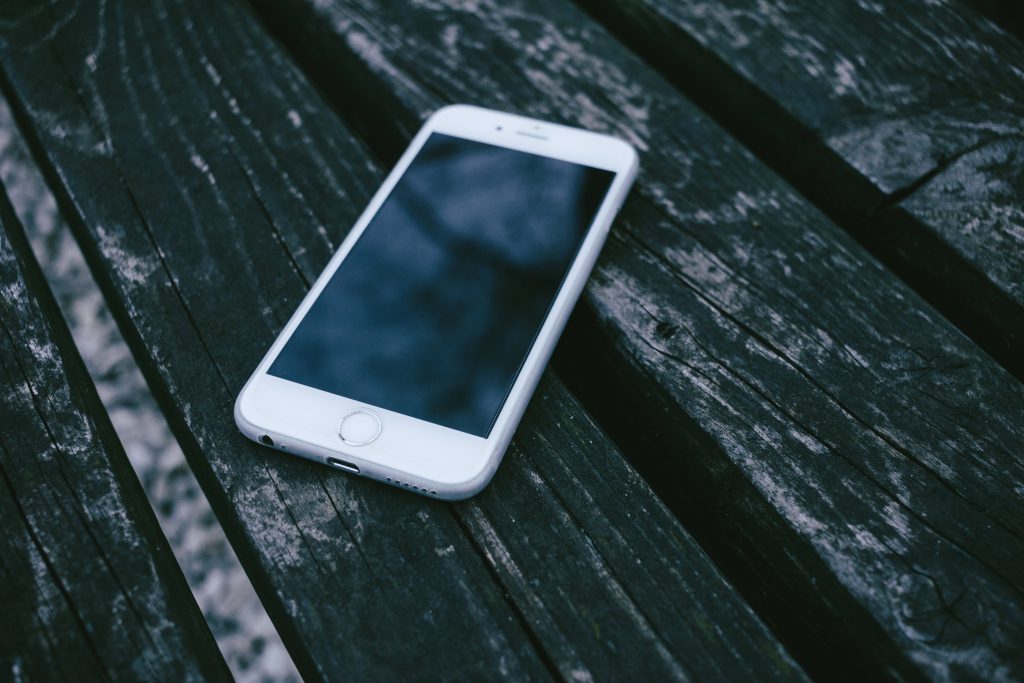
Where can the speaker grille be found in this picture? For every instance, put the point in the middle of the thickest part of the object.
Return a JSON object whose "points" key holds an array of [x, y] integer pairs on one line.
{"points": [[410, 486]]}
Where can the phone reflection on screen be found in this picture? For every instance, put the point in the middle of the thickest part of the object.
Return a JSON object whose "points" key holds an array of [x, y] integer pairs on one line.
{"points": [[434, 310]]}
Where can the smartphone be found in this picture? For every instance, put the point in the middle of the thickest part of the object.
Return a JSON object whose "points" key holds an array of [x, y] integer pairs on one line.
{"points": [[414, 355]]}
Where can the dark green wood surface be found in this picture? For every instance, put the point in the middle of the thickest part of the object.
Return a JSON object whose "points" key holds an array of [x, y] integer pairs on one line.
{"points": [[846, 453], [89, 587], [208, 183], [903, 119], [1006, 13]]}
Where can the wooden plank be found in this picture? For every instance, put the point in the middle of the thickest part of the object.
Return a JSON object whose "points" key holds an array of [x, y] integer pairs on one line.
{"points": [[90, 588], [848, 456], [1007, 13], [208, 183], [909, 117]]}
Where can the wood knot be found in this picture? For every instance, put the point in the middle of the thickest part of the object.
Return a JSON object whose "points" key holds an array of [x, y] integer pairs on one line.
{"points": [[940, 614], [665, 330]]}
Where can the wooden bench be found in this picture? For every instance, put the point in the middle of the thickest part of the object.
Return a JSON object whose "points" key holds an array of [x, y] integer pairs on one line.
{"points": [[89, 587], [901, 119], [849, 459], [839, 447], [208, 189]]}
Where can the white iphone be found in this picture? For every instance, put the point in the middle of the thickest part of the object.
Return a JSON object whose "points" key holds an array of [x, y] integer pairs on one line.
{"points": [[413, 356]]}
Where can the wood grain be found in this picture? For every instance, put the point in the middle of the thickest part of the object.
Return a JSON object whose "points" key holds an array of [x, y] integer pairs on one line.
{"points": [[848, 456], [90, 588], [208, 183], [1006, 13], [903, 119]]}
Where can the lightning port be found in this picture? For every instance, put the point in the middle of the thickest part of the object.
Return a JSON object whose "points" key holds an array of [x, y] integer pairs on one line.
{"points": [[343, 465]]}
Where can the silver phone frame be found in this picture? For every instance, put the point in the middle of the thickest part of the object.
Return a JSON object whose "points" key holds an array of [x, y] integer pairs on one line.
{"points": [[418, 455]]}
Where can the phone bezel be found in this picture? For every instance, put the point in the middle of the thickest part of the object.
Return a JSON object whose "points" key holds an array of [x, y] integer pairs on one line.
{"points": [[421, 455]]}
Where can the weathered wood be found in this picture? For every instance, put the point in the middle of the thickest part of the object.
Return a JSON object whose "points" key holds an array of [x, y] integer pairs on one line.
{"points": [[843, 450], [903, 119], [1007, 13], [208, 183], [89, 586]]}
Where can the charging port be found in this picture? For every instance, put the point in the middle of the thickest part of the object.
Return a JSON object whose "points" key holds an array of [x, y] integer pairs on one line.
{"points": [[343, 465]]}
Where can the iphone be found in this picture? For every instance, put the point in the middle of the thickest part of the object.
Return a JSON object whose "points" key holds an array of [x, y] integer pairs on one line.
{"points": [[414, 355]]}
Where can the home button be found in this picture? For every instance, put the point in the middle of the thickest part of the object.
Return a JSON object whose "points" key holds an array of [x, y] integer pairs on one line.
{"points": [[359, 427]]}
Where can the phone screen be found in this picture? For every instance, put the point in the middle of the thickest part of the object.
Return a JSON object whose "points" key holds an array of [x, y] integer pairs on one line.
{"points": [[434, 310]]}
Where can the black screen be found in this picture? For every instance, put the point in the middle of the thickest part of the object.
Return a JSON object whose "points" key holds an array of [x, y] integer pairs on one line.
{"points": [[434, 310]]}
